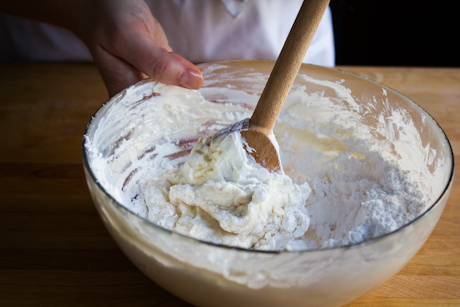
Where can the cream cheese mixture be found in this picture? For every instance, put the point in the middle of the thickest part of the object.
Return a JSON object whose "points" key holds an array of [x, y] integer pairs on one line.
{"points": [[222, 195], [338, 187]]}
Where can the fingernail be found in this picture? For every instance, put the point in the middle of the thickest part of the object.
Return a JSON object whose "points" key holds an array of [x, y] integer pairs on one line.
{"points": [[191, 79]]}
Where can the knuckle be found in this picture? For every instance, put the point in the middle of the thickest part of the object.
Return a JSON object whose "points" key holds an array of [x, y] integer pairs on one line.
{"points": [[160, 68]]}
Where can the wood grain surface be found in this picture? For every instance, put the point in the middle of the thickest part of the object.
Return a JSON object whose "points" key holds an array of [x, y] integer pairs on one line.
{"points": [[54, 250]]}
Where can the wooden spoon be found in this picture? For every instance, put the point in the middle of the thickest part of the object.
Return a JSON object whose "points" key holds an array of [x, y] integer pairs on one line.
{"points": [[256, 131]]}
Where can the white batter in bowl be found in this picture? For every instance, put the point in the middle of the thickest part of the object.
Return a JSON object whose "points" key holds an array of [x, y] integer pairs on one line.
{"points": [[378, 166]]}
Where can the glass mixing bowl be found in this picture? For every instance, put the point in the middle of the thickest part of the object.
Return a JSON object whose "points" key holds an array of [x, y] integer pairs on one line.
{"points": [[207, 274]]}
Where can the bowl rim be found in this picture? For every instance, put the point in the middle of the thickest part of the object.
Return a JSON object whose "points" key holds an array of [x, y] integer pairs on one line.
{"points": [[434, 204]]}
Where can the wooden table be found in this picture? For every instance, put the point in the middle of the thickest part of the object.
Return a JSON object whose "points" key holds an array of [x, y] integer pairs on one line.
{"points": [[54, 250]]}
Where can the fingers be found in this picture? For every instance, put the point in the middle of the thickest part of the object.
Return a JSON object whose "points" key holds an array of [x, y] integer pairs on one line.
{"points": [[119, 74], [116, 73], [144, 53], [169, 68], [129, 44], [165, 67]]}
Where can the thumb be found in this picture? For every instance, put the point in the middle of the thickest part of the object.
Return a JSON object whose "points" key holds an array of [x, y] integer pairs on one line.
{"points": [[159, 64], [168, 67], [116, 72]]}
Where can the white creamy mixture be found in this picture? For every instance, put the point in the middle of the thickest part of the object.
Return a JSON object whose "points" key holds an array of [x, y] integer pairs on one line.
{"points": [[338, 188], [222, 195]]}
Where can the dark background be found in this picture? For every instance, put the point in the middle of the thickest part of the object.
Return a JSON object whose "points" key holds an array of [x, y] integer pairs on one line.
{"points": [[397, 33]]}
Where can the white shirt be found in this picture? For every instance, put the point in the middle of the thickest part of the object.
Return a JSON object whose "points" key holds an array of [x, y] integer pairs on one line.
{"points": [[201, 31]]}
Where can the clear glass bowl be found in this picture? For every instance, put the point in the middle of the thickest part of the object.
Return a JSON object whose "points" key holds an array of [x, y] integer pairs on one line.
{"points": [[206, 274]]}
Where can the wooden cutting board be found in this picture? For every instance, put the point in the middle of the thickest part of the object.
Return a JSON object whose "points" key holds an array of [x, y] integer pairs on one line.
{"points": [[54, 250]]}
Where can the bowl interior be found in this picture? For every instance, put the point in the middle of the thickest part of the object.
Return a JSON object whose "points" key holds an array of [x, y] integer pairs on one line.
{"points": [[334, 116]]}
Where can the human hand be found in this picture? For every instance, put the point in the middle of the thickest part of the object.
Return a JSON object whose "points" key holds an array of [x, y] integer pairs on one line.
{"points": [[128, 44]]}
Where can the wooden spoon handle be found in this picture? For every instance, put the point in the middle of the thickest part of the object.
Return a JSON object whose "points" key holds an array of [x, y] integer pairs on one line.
{"points": [[288, 64]]}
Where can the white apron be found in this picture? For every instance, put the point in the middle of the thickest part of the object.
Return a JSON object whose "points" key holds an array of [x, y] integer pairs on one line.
{"points": [[199, 30]]}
